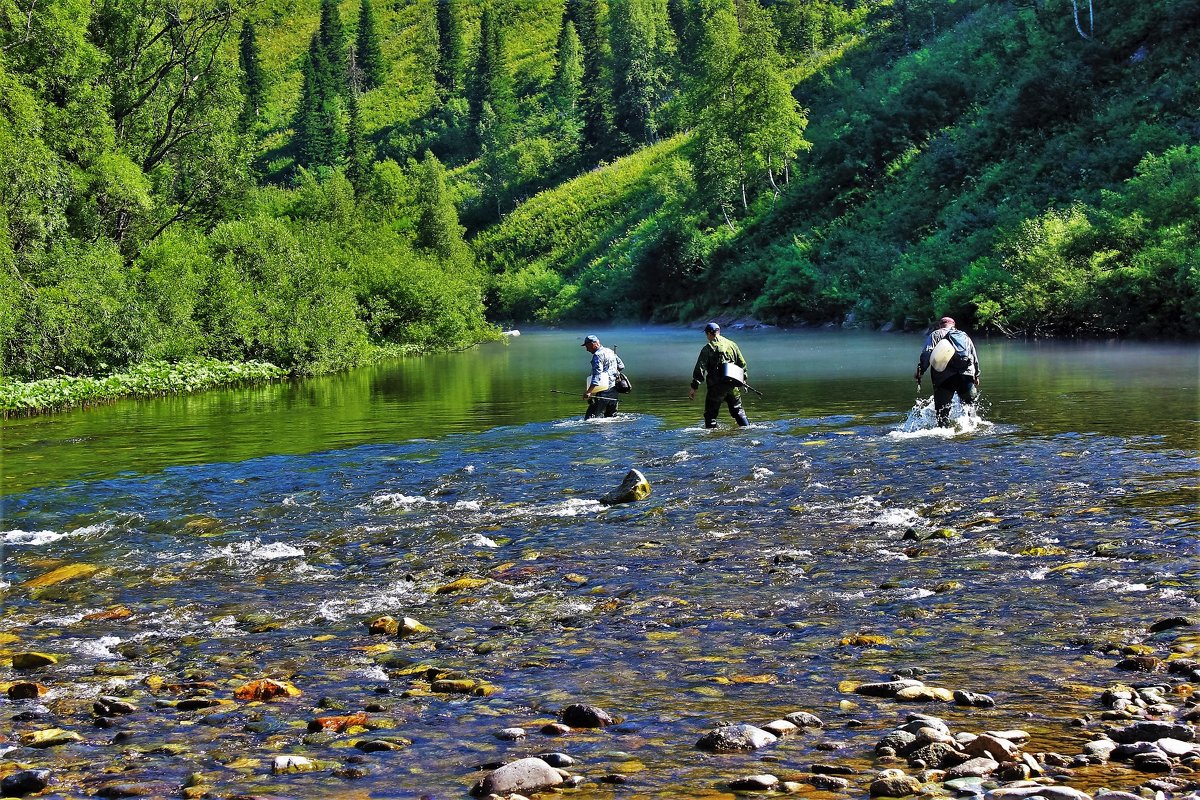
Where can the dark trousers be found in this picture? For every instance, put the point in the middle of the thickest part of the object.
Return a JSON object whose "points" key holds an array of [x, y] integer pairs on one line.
{"points": [[728, 393], [602, 404], [943, 395]]}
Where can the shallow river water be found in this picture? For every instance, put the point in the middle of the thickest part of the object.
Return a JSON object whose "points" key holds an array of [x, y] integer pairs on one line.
{"points": [[225, 537]]}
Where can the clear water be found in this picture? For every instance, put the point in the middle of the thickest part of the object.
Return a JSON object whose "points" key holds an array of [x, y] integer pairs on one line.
{"points": [[253, 533]]}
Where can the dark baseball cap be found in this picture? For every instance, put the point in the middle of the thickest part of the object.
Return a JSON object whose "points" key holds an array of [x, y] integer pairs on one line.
{"points": [[712, 327], [589, 339]]}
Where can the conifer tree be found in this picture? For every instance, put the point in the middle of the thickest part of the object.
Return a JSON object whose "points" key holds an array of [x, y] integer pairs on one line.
{"points": [[438, 230], [427, 44], [253, 77], [332, 36], [492, 82], [368, 55], [642, 46], [320, 134], [568, 70], [452, 49], [565, 89], [594, 91]]}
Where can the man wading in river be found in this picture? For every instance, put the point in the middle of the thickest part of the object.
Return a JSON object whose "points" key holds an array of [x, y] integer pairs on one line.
{"points": [[601, 393], [710, 370], [950, 356]]}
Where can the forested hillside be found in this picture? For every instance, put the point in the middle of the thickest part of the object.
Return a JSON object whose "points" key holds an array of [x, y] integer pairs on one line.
{"points": [[312, 183]]}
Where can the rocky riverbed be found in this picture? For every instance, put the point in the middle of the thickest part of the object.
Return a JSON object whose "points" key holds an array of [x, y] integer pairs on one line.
{"points": [[812, 607]]}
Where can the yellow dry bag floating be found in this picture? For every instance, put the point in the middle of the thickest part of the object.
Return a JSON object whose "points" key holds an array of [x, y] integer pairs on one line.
{"points": [[941, 355]]}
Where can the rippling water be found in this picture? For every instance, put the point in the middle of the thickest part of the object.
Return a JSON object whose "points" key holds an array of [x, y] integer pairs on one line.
{"points": [[1013, 556]]}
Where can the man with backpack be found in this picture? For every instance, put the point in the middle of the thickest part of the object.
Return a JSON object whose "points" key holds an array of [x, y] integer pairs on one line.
{"points": [[721, 387], [601, 393], [950, 356]]}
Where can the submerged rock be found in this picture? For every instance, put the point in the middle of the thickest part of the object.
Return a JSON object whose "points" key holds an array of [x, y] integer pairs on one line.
{"points": [[27, 781], [633, 488], [580, 715]]}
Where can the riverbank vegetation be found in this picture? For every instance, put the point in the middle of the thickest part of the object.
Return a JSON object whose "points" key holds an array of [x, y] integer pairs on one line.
{"points": [[311, 183]]}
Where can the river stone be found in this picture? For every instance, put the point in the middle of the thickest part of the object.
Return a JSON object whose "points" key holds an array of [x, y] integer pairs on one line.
{"points": [[831, 783], [580, 715], [1176, 748], [557, 760], [32, 660], [887, 688], [633, 488], [1100, 748], [936, 755], [1049, 792], [736, 739], [511, 734], [780, 728], [1156, 761], [898, 742], [754, 783], [1153, 731], [26, 690], [286, 765], [106, 706], [136, 790], [1115, 795], [992, 747], [973, 699], [522, 775], [382, 745], [893, 783], [27, 781], [803, 719], [1013, 735], [925, 694], [974, 768], [49, 737], [915, 722]]}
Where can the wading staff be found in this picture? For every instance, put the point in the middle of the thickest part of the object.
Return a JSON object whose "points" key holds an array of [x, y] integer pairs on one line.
{"points": [[559, 391]]}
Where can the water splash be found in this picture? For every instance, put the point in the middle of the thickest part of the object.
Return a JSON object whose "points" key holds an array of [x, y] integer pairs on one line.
{"points": [[921, 421]]}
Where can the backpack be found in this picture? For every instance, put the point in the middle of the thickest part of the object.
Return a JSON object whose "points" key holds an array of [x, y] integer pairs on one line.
{"points": [[961, 360], [622, 385]]}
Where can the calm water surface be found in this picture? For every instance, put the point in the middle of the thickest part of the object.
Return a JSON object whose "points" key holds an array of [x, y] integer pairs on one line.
{"points": [[253, 533]]}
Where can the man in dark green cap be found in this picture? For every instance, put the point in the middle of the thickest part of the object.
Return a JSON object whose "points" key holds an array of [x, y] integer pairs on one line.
{"points": [[722, 387]]}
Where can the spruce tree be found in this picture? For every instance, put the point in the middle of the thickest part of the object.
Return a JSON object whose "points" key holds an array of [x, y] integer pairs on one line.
{"points": [[568, 70], [427, 45], [594, 91], [492, 82], [335, 75], [452, 49], [320, 136], [438, 230], [368, 55], [253, 78]]}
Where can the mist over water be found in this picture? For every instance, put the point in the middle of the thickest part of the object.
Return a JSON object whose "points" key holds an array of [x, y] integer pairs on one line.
{"points": [[254, 533]]}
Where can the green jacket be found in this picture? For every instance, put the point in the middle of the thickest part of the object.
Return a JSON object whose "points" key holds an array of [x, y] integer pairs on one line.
{"points": [[717, 352]]}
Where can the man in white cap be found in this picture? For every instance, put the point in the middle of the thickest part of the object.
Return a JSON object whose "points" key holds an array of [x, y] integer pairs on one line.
{"points": [[601, 393], [950, 356], [721, 389]]}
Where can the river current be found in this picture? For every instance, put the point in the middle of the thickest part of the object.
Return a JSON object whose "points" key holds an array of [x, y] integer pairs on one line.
{"points": [[840, 539]]}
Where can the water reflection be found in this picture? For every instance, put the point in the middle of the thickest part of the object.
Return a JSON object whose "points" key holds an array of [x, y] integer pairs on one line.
{"points": [[1118, 389]]}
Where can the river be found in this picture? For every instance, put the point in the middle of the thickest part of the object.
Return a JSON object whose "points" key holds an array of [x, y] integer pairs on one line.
{"points": [[253, 533]]}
